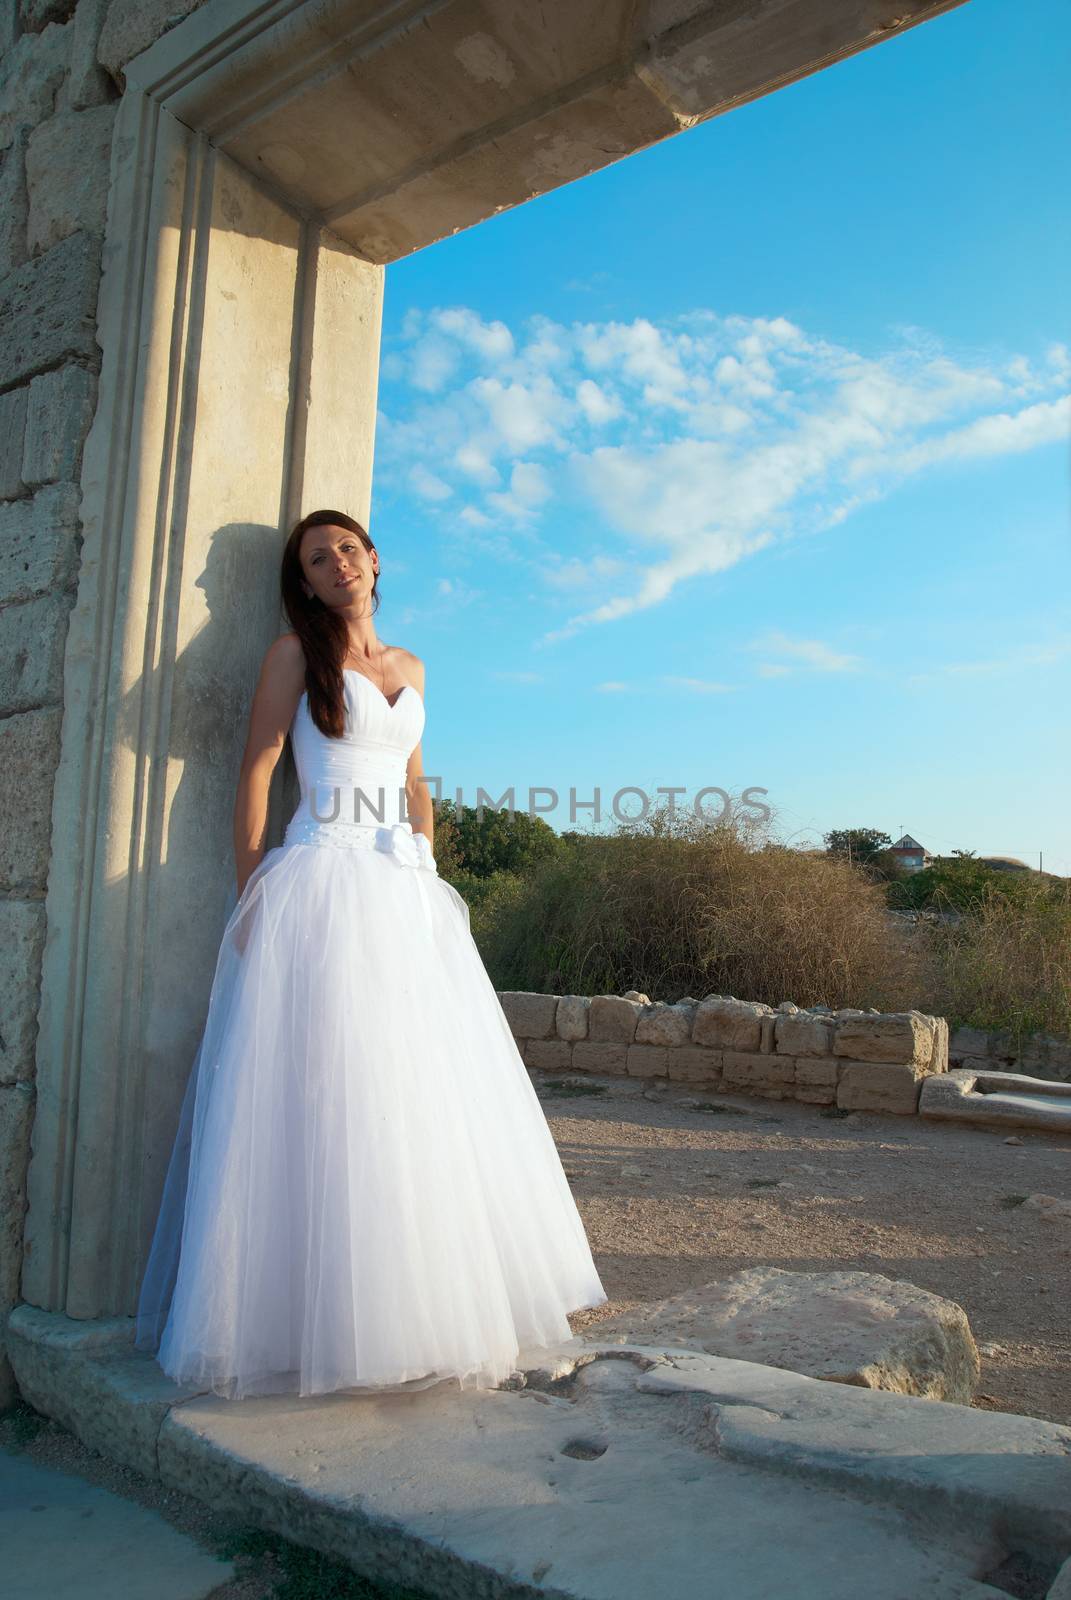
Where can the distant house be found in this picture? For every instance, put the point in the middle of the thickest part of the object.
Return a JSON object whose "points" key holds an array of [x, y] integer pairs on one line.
{"points": [[911, 855]]}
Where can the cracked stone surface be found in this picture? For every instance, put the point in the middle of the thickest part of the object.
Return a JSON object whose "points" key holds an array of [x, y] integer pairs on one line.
{"points": [[847, 1327], [609, 1474], [599, 1473]]}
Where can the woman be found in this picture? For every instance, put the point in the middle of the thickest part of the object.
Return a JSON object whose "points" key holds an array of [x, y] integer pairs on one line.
{"points": [[363, 1191]]}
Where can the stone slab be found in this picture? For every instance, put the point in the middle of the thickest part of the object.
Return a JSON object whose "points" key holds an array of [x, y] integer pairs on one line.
{"points": [[610, 1473], [879, 1086], [845, 1327], [38, 542], [29, 751], [530, 1016], [87, 1375], [66, 1539], [903, 1037], [48, 309], [636, 1473], [997, 1099]]}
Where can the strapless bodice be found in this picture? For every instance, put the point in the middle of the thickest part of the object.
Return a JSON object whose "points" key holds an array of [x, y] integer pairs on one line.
{"points": [[355, 785]]}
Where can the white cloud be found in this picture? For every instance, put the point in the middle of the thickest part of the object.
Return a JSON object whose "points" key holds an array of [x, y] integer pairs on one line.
{"points": [[700, 685], [522, 415], [428, 485], [678, 449], [433, 362], [1047, 422], [474, 461], [813, 653], [492, 340], [528, 488], [595, 403]]}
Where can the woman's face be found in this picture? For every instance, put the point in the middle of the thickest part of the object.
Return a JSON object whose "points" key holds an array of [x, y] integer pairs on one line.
{"points": [[337, 567]]}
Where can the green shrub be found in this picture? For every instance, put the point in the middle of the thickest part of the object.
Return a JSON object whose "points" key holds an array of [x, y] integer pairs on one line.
{"points": [[679, 905], [1005, 964]]}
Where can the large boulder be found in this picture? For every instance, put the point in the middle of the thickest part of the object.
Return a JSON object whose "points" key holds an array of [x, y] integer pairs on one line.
{"points": [[847, 1327]]}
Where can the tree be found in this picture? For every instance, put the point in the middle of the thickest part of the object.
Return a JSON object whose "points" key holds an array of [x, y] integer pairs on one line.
{"points": [[495, 842], [858, 845]]}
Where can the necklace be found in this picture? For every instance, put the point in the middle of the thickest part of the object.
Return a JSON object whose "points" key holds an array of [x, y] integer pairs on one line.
{"points": [[368, 675]]}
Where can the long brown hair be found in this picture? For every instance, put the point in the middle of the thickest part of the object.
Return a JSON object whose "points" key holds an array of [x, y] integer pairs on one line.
{"points": [[323, 633]]}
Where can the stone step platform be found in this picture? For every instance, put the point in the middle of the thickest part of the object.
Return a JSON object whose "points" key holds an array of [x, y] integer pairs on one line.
{"points": [[604, 1473], [995, 1098]]}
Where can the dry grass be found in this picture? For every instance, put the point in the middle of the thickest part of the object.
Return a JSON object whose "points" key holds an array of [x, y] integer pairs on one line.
{"points": [[679, 906], [1006, 964]]}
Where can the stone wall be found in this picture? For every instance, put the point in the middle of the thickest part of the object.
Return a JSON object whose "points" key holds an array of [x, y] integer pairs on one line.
{"points": [[1039, 1056], [57, 111], [857, 1060]]}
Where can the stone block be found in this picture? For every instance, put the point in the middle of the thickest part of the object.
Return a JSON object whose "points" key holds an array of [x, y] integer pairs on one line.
{"points": [[58, 416], [939, 1057], [975, 1063], [32, 640], [13, 202], [601, 1056], [29, 752], [549, 1055], [990, 1097], [38, 542], [12, 435], [86, 83], [612, 1018], [530, 1016], [727, 1024], [647, 1061], [1047, 1057], [37, 14], [879, 1086], [30, 76], [87, 1376], [48, 309], [855, 1328], [755, 1071], [1003, 1045], [693, 1063], [572, 1018], [815, 1094], [16, 1123], [22, 941], [131, 26], [664, 1024], [67, 171], [968, 1042], [803, 1034], [899, 1036], [815, 1070]]}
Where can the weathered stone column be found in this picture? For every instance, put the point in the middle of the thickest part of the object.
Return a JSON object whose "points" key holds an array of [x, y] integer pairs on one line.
{"points": [[238, 389]]}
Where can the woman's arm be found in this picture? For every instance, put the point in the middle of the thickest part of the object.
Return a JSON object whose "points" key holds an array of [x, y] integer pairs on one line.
{"points": [[417, 794], [279, 688]]}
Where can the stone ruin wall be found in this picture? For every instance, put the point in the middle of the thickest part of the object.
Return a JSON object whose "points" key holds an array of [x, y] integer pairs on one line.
{"points": [[60, 84], [855, 1060]]}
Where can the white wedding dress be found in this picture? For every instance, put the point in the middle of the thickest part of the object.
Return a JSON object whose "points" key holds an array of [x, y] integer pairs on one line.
{"points": [[363, 1190]]}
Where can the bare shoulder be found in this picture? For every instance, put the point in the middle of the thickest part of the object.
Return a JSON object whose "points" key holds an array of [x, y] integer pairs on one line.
{"points": [[406, 666], [284, 662]]}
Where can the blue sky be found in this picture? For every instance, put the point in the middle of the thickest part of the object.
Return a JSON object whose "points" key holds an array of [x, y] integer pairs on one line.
{"points": [[744, 462]]}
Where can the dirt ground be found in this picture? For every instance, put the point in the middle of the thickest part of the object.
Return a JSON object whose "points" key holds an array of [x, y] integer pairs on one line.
{"points": [[673, 1196]]}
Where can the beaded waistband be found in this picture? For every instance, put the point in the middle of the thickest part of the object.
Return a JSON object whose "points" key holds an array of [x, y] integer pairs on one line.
{"points": [[395, 838]]}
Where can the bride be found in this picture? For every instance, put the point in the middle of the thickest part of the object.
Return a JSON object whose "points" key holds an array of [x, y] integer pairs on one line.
{"points": [[363, 1191]]}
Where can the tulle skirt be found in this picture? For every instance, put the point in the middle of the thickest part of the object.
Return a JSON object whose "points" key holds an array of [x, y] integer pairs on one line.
{"points": [[363, 1191]]}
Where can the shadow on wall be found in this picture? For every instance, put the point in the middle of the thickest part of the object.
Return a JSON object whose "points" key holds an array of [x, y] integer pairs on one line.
{"points": [[198, 699]]}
